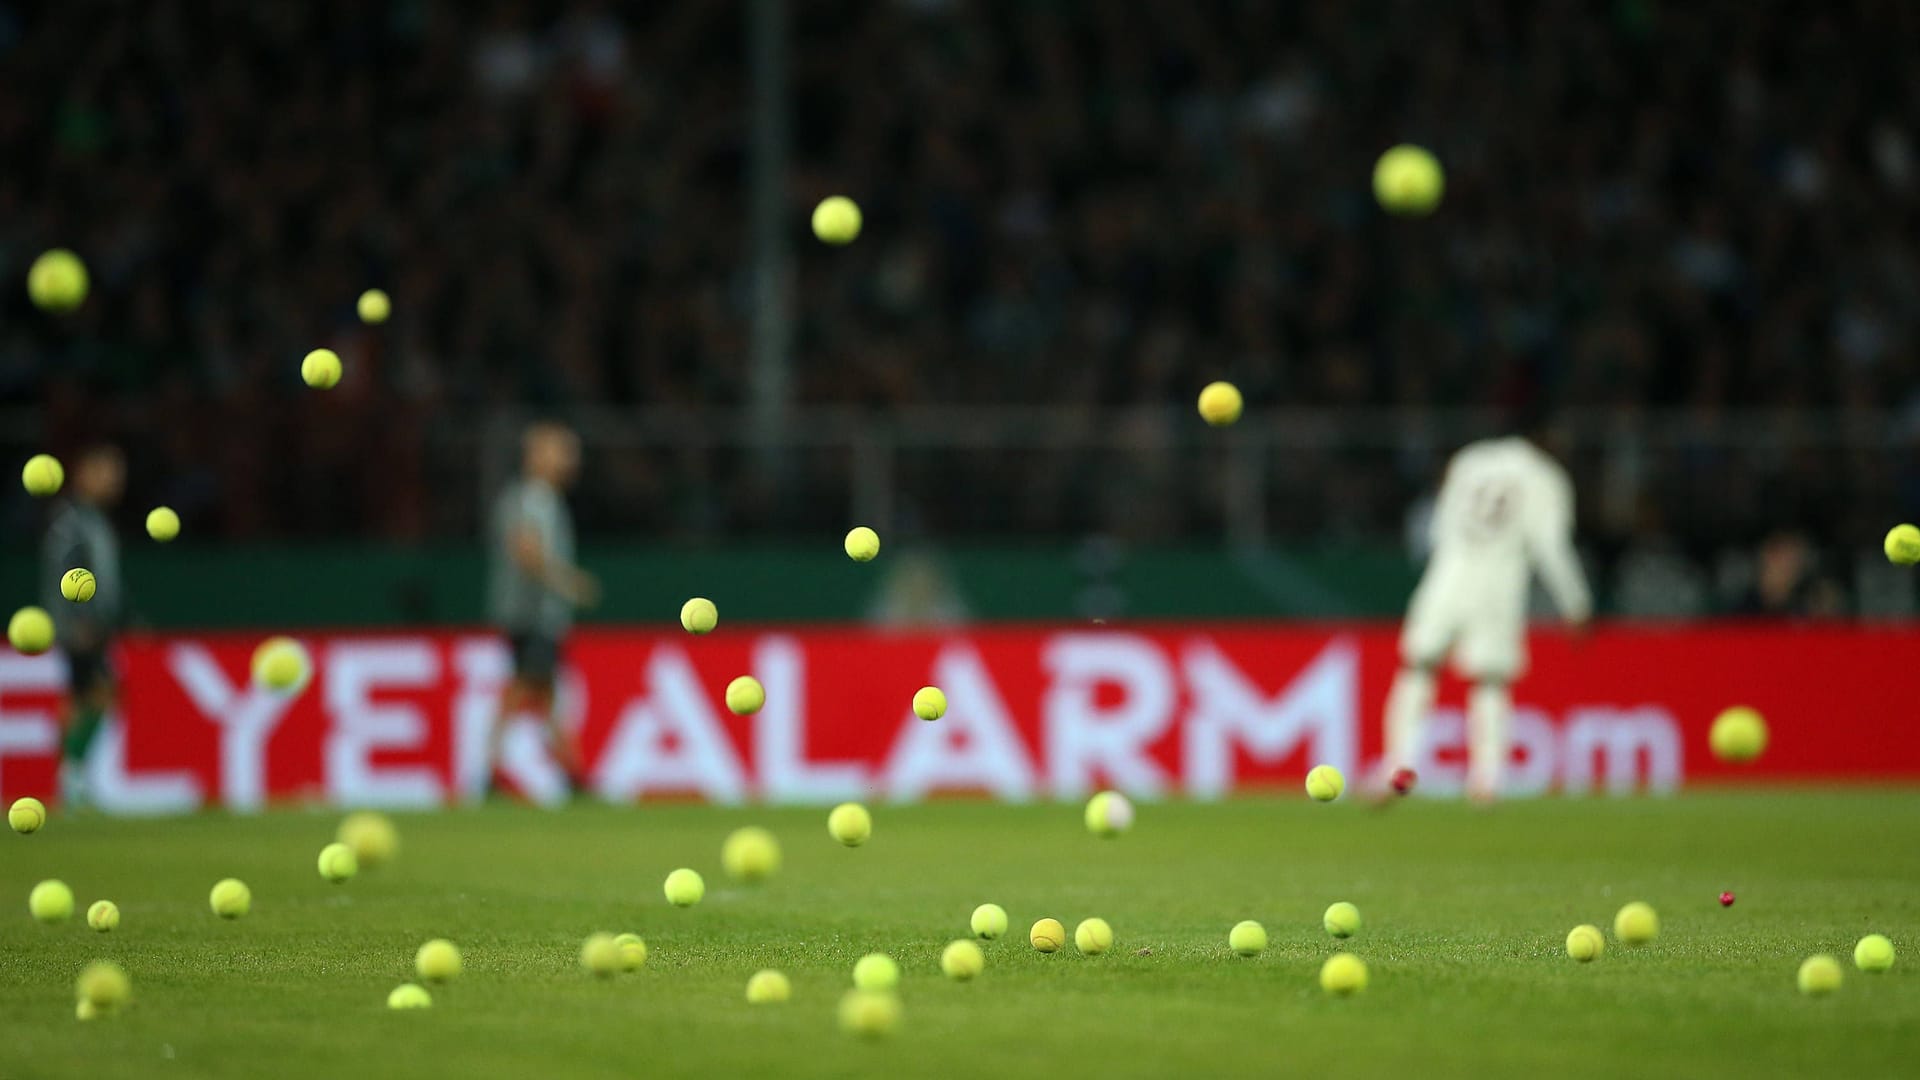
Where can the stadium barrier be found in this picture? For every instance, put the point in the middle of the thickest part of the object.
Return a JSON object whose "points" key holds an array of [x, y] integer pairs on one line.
{"points": [[1202, 711]]}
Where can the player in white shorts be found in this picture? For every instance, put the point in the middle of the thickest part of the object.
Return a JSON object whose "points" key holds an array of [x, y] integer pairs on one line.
{"points": [[1505, 510]]}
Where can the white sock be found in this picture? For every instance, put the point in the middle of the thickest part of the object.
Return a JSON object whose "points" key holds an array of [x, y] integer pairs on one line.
{"points": [[1408, 704], [1489, 719]]}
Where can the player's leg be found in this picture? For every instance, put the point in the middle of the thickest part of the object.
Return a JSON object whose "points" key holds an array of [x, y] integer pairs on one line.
{"points": [[90, 696], [1489, 734], [1424, 641]]}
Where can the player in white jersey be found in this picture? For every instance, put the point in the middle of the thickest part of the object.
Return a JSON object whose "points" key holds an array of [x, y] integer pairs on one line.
{"points": [[1505, 510]]}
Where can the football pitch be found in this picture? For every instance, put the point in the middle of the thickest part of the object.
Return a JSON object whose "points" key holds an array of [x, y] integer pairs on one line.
{"points": [[1465, 913]]}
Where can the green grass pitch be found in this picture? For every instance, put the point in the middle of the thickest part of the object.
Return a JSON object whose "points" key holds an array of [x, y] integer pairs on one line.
{"points": [[1465, 913]]}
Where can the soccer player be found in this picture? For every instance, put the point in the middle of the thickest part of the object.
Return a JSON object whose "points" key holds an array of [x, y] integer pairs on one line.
{"points": [[535, 586], [79, 533], [1505, 509]]}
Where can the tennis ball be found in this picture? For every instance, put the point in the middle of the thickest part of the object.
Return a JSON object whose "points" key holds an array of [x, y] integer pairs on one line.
{"points": [[57, 281], [87, 1010], [685, 887], [836, 220], [338, 862], [1248, 938], [601, 955], [27, 814], [104, 985], [962, 960], [321, 369], [862, 544], [699, 616], [929, 703], [371, 835], [1903, 545], [78, 585], [876, 971], [871, 1013], [104, 916], [43, 475], [162, 523], [1220, 403], [374, 307], [30, 631], [280, 663], [1093, 937], [750, 854], [768, 987], [1819, 974], [989, 921], [745, 696], [438, 961], [230, 898], [1324, 783], [1874, 953], [1341, 920], [1585, 942], [1407, 180], [850, 824], [633, 951], [1738, 735], [51, 902], [1343, 974], [1047, 935], [1109, 814], [1636, 924], [409, 996]]}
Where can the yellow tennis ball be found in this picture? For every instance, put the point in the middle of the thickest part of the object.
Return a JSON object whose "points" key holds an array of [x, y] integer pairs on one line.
{"points": [[78, 585], [1343, 974], [230, 898], [438, 961], [1341, 920], [929, 703], [1220, 403], [1047, 935], [836, 220], [876, 971], [1093, 937], [30, 630], [27, 814], [1874, 953], [862, 544], [1819, 974], [338, 863], [633, 951], [51, 902], [57, 281], [1247, 938], [87, 1010], [1408, 180], [768, 987], [104, 916], [699, 616], [374, 307], [1903, 545], [750, 854], [1585, 942], [869, 1013], [42, 475], [850, 823], [104, 985], [745, 696], [321, 369], [1636, 923], [280, 663], [409, 996], [962, 960], [1738, 735], [1109, 814], [685, 887], [1324, 783], [601, 955], [371, 835], [989, 921], [162, 523]]}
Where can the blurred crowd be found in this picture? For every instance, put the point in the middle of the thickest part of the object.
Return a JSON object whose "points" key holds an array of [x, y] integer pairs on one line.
{"points": [[1699, 208]]}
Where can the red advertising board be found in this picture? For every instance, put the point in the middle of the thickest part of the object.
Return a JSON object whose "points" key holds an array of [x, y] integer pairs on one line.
{"points": [[1036, 712]]}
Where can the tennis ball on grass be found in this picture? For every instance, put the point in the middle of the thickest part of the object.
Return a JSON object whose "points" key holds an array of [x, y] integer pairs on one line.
{"points": [[685, 887], [1109, 814], [1636, 923], [51, 902], [750, 854], [30, 631], [1220, 403], [409, 996], [1738, 735], [1247, 938], [989, 921], [27, 814], [1341, 920], [1874, 953], [438, 961], [1093, 937], [1324, 783], [601, 955], [230, 898], [768, 987], [1585, 942], [337, 862], [1819, 974], [962, 960], [850, 824], [1047, 935], [42, 475], [104, 985], [876, 971], [836, 220], [633, 951], [104, 916], [1343, 974], [699, 616], [870, 1013]]}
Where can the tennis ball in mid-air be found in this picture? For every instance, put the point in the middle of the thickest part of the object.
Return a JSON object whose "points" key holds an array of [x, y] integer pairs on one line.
{"points": [[962, 960], [230, 898], [1343, 974], [373, 307], [871, 1013], [1109, 814], [600, 954], [1636, 923], [338, 863], [699, 616], [745, 696], [1093, 937], [633, 951], [1324, 783], [30, 631], [768, 987], [78, 585], [1903, 545], [929, 703], [876, 971], [989, 921], [43, 475], [104, 916], [1738, 735], [409, 996], [1220, 403], [280, 663], [321, 369], [1342, 919], [1819, 974], [104, 985], [862, 544], [162, 523], [685, 887], [1047, 935], [1247, 938], [836, 220], [51, 902], [371, 835], [438, 961], [1408, 180], [1585, 942], [1873, 953], [57, 281], [750, 854], [850, 824], [27, 814]]}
